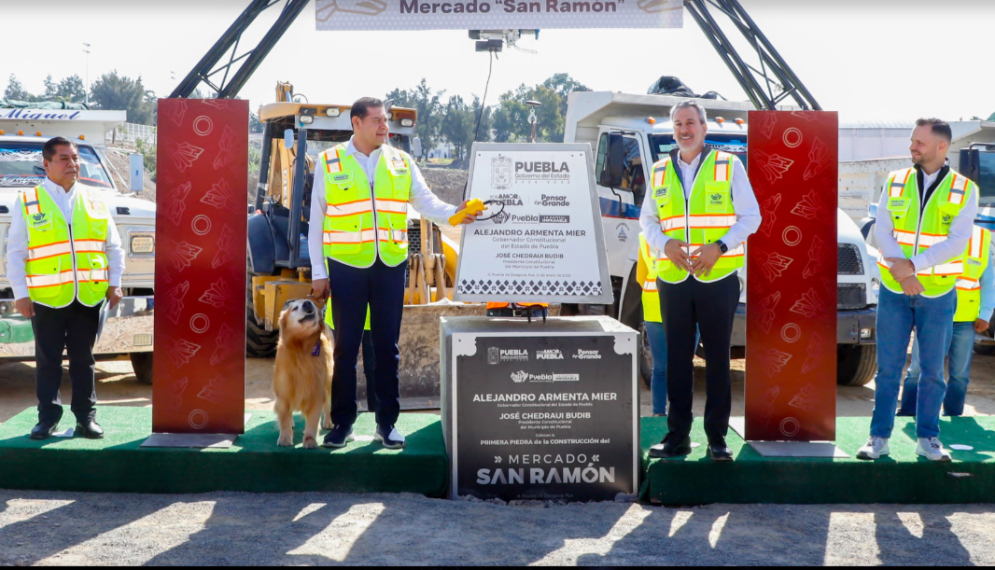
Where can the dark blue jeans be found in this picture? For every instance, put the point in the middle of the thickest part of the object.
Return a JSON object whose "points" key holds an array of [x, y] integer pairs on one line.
{"points": [[353, 289], [959, 368], [932, 320]]}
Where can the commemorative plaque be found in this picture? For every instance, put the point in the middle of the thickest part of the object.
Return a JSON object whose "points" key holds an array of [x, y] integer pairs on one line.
{"points": [[540, 411], [541, 238]]}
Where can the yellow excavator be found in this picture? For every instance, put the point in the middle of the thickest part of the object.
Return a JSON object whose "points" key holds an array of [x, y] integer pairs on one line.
{"points": [[279, 266]]}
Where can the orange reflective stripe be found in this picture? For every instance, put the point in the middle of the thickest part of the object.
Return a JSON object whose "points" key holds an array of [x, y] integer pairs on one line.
{"points": [[699, 221], [965, 283], [723, 167], [895, 188], [396, 236], [349, 208], [650, 286], [31, 205], [958, 188], [904, 237], [333, 165], [952, 268], [36, 281], [46, 251], [977, 241], [91, 275], [333, 237], [672, 223], [89, 246], [389, 206]]}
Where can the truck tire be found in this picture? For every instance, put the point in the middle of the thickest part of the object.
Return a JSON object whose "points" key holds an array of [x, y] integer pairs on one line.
{"points": [[141, 362], [856, 364], [259, 343]]}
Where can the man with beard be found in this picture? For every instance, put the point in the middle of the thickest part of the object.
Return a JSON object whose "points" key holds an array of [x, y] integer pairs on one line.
{"points": [[926, 219]]}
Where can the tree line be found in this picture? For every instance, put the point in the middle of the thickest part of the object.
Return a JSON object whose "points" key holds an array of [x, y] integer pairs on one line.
{"points": [[109, 91], [453, 120]]}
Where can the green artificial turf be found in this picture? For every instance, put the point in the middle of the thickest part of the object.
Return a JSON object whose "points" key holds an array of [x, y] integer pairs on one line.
{"points": [[254, 463], [902, 477]]}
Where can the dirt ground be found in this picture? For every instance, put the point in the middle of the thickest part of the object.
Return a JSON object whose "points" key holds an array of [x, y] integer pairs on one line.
{"points": [[234, 529]]}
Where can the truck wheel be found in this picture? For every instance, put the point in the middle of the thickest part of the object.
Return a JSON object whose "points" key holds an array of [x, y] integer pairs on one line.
{"points": [[856, 364], [141, 362], [259, 343]]}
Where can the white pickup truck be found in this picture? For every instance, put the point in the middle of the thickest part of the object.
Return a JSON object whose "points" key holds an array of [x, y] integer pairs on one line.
{"points": [[23, 132], [636, 129]]}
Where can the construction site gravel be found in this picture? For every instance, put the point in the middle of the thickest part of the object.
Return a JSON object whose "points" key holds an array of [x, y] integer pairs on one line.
{"points": [[40, 528]]}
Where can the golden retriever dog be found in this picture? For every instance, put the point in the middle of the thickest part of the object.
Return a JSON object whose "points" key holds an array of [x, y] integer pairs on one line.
{"points": [[302, 379]]}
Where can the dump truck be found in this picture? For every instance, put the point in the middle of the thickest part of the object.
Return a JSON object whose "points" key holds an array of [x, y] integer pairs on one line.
{"points": [[279, 264], [24, 130], [630, 132]]}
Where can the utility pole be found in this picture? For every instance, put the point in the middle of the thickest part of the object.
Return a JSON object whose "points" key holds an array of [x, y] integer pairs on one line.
{"points": [[86, 88]]}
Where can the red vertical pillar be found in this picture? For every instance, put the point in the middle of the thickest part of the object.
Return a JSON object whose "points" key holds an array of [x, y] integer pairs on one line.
{"points": [[202, 171], [791, 283]]}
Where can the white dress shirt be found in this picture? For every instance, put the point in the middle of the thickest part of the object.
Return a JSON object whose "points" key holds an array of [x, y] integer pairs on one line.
{"points": [[960, 231], [17, 240], [421, 199], [748, 217]]}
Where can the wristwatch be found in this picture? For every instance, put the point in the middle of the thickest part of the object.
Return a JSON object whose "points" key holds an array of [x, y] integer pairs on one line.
{"points": [[722, 246]]}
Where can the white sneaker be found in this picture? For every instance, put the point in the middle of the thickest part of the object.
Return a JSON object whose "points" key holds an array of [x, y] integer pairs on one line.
{"points": [[932, 449], [874, 448]]}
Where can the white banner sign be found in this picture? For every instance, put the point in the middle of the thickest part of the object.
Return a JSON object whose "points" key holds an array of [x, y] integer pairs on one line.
{"points": [[546, 244], [495, 14]]}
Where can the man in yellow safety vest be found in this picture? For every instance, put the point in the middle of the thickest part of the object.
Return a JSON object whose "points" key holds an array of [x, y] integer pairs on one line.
{"points": [[698, 213], [64, 260], [358, 242], [926, 216]]}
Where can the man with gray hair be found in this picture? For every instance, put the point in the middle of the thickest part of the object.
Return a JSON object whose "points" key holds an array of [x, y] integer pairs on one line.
{"points": [[699, 212]]}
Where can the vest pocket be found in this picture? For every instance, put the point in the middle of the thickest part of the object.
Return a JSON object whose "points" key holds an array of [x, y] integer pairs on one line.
{"points": [[717, 199], [345, 235], [339, 184], [44, 278]]}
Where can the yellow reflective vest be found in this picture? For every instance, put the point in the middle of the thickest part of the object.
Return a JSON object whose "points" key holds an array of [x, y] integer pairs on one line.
{"points": [[66, 263], [916, 233], [651, 296], [359, 223], [976, 259], [703, 218]]}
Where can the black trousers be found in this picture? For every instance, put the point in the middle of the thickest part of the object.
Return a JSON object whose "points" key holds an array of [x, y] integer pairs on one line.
{"points": [[382, 289], [73, 328], [368, 367], [711, 307]]}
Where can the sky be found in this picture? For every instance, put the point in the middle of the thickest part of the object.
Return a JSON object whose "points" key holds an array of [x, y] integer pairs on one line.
{"points": [[871, 60]]}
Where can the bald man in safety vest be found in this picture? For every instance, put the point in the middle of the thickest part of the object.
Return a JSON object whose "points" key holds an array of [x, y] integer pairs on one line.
{"points": [[64, 260]]}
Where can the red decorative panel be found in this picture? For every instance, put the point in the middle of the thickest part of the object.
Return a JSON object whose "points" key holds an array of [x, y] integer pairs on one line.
{"points": [[791, 284], [200, 267]]}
